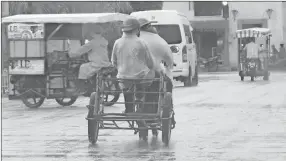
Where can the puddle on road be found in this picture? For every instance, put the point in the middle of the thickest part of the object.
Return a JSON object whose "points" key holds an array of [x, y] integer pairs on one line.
{"points": [[153, 150], [209, 105]]}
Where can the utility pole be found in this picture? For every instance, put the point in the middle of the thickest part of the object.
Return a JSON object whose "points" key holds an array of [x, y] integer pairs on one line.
{"points": [[225, 15]]}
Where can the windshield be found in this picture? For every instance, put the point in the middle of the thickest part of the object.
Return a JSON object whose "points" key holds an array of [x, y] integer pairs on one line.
{"points": [[170, 33]]}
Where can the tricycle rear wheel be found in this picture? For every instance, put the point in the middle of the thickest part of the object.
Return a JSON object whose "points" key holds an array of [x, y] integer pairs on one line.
{"points": [[166, 119], [37, 99], [266, 76], [93, 125], [252, 78], [242, 78], [62, 102]]}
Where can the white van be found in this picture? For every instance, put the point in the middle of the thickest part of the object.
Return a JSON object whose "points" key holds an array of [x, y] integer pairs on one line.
{"points": [[176, 29]]}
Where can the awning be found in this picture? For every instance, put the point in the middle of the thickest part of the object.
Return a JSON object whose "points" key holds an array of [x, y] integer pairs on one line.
{"points": [[253, 32]]}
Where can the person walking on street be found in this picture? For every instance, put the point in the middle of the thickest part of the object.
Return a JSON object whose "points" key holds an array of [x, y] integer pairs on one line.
{"points": [[161, 52], [282, 51], [275, 53], [262, 55], [133, 59]]}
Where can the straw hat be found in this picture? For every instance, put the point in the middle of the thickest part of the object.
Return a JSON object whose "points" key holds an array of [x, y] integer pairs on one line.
{"points": [[130, 24]]}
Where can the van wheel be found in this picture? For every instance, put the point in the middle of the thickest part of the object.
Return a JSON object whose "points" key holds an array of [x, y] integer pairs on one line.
{"points": [[196, 77], [188, 80]]}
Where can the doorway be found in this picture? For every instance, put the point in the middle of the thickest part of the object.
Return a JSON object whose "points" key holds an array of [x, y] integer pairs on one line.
{"points": [[206, 42]]}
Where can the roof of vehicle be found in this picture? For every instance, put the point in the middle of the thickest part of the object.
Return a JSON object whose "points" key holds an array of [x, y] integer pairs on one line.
{"points": [[253, 32], [161, 11], [66, 18], [164, 16]]}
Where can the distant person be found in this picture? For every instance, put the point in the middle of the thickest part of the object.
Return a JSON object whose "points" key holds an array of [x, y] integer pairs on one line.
{"points": [[252, 49], [282, 52], [262, 55], [274, 53]]}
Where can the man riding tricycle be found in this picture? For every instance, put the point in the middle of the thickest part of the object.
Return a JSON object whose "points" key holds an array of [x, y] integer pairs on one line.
{"points": [[146, 86], [253, 56], [48, 56]]}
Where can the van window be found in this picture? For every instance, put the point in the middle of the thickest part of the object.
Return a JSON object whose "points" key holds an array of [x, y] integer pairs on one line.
{"points": [[188, 34], [170, 33]]}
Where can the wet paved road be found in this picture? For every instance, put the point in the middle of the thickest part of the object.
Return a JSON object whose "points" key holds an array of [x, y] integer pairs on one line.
{"points": [[222, 119]]}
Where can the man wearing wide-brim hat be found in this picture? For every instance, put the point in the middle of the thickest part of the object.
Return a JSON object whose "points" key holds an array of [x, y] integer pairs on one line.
{"points": [[159, 48], [160, 52], [132, 58]]}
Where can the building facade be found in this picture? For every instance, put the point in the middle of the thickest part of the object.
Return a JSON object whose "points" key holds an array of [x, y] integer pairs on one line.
{"points": [[4, 13], [212, 31]]}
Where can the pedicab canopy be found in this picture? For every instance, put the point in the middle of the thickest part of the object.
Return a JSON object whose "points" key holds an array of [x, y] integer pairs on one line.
{"points": [[37, 35], [253, 32], [73, 25], [66, 18]]}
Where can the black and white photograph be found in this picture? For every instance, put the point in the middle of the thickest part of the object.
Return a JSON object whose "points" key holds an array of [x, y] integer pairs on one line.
{"points": [[143, 80]]}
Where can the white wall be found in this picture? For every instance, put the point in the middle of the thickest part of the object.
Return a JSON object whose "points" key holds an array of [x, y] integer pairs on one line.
{"points": [[256, 10], [184, 7], [284, 21], [187, 8]]}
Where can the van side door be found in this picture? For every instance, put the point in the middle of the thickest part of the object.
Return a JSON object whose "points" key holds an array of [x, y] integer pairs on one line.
{"points": [[191, 48]]}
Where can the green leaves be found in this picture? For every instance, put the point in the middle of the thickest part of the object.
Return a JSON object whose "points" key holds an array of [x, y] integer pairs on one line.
{"points": [[146, 5], [38, 7]]}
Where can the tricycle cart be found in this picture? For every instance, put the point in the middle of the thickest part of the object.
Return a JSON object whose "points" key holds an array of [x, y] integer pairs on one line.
{"points": [[250, 66], [138, 120], [40, 66]]}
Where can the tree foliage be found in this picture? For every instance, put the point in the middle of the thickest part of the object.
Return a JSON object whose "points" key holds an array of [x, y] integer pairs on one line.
{"points": [[42, 7], [146, 5]]}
